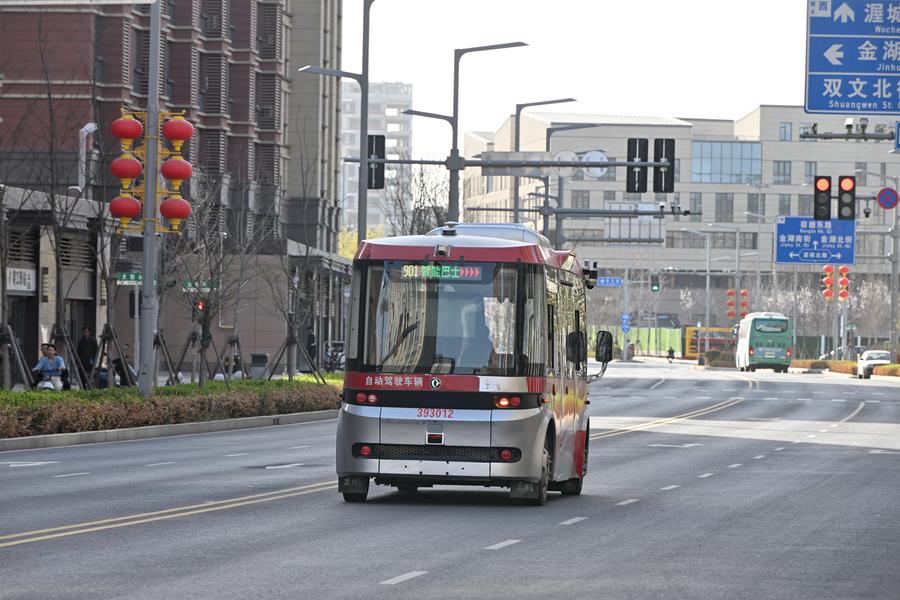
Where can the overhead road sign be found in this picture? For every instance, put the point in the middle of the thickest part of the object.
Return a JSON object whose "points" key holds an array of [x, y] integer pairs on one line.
{"points": [[804, 240], [609, 282], [852, 57], [887, 198]]}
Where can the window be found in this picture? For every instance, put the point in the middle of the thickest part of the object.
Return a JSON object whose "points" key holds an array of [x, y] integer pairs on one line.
{"points": [[781, 172], [809, 172], [632, 197], [393, 127], [724, 208], [784, 132], [685, 239], [722, 239], [806, 128], [677, 170], [392, 111], [805, 208], [696, 206], [610, 174], [609, 196], [581, 199], [784, 204], [861, 168], [748, 241], [726, 162], [756, 203]]}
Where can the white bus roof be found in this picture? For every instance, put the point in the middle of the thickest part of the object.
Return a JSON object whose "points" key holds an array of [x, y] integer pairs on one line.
{"points": [[765, 315]]}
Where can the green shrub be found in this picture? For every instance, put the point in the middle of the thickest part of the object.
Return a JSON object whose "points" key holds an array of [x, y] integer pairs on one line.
{"points": [[892, 370], [842, 366], [37, 413]]}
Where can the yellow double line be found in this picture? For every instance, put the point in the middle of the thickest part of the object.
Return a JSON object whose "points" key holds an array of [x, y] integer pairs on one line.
{"points": [[27, 537], [666, 420]]}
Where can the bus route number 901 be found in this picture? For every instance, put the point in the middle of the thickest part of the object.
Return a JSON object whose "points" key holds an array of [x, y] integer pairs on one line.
{"points": [[435, 413]]}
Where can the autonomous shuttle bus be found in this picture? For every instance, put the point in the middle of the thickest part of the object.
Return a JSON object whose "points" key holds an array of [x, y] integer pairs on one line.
{"points": [[466, 364]]}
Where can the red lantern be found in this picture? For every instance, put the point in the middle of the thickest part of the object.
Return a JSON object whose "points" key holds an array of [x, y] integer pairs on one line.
{"points": [[843, 295], [730, 314], [175, 209], [127, 168], [829, 294], [745, 293], [730, 303], [844, 270], [176, 170], [828, 269], [127, 128], [729, 293], [125, 208], [178, 131]]}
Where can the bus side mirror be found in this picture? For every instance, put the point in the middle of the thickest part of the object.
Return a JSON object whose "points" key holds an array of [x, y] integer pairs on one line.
{"points": [[604, 347]]}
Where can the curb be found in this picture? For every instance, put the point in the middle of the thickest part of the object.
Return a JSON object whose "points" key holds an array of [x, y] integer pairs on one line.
{"points": [[56, 440]]}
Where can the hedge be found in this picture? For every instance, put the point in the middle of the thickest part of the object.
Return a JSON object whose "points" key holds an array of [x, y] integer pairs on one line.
{"points": [[892, 369], [38, 413]]}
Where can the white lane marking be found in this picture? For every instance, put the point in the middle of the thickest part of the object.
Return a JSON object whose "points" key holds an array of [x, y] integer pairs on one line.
{"points": [[838, 400], [627, 502], [37, 463], [159, 464], [771, 398], [573, 520], [297, 447], [833, 426], [71, 474], [669, 487], [657, 384], [734, 466], [811, 436], [759, 456], [500, 545], [284, 466], [796, 442], [878, 393], [855, 412], [804, 399], [704, 397], [705, 475], [673, 445], [779, 449], [875, 401], [404, 577], [238, 454], [883, 452]]}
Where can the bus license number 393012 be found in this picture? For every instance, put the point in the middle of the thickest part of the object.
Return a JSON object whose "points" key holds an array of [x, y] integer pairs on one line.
{"points": [[435, 413]]}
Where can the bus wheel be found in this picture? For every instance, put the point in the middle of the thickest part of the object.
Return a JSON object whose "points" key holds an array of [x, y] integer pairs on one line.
{"points": [[540, 496], [572, 487], [355, 496]]}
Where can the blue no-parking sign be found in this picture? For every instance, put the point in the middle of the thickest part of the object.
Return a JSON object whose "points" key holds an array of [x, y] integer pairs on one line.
{"points": [[887, 198]]}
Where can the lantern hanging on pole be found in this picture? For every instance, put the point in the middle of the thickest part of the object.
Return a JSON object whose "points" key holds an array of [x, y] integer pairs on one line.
{"points": [[125, 208], [175, 209], [127, 129], [178, 130], [176, 170], [127, 168]]}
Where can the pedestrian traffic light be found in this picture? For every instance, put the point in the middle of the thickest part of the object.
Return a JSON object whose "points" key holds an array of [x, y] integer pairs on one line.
{"points": [[847, 198], [654, 283], [844, 283], [828, 282], [822, 199], [198, 308]]}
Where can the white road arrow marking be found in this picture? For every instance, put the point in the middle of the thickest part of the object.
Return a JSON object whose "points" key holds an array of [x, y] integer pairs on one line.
{"points": [[844, 13], [672, 445], [835, 53]]}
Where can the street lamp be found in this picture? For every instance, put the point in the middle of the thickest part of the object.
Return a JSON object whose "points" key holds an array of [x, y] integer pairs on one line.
{"points": [[516, 147], [362, 79], [455, 163], [737, 252], [707, 235], [895, 262], [759, 219]]}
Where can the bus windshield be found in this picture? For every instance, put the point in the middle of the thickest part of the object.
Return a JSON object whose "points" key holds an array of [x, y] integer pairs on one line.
{"points": [[770, 325], [451, 318]]}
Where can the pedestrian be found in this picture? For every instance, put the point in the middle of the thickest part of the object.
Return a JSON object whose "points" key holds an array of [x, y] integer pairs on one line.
{"points": [[44, 347], [50, 369], [86, 349], [312, 349]]}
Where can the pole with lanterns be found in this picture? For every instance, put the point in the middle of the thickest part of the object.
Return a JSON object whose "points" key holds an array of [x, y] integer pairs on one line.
{"points": [[841, 277], [143, 199]]}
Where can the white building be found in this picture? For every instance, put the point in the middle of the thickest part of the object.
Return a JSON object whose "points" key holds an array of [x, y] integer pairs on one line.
{"points": [[387, 101], [725, 170]]}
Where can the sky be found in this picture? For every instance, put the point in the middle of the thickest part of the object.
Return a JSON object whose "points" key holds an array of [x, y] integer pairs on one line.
{"points": [[686, 58]]}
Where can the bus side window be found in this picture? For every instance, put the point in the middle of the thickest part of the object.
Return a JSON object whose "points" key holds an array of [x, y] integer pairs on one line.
{"points": [[551, 337]]}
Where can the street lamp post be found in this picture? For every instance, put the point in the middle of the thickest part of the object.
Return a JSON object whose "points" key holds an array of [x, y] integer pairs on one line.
{"points": [[895, 263], [516, 145], [362, 78], [759, 219], [737, 253], [707, 236]]}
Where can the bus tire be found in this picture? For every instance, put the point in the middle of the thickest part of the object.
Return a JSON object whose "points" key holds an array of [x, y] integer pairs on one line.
{"points": [[572, 487], [355, 496], [541, 498]]}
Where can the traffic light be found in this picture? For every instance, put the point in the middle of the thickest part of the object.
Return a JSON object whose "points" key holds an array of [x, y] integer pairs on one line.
{"points": [[654, 283], [828, 282], [822, 199], [847, 198], [844, 283], [199, 308]]}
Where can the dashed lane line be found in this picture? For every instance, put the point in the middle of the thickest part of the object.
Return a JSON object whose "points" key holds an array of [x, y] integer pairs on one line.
{"points": [[627, 502], [297, 447], [404, 577], [573, 520], [159, 464], [669, 487], [503, 544], [705, 475], [779, 449], [759, 456], [237, 454], [667, 420], [734, 466], [657, 384], [70, 475]]}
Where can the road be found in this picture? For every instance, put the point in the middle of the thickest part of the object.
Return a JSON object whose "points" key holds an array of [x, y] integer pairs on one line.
{"points": [[703, 484]]}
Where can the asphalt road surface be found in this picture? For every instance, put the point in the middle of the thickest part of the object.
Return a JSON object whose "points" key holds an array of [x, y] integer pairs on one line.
{"points": [[702, 484]]}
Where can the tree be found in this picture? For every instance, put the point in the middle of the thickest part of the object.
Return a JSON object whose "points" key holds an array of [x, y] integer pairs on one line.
{"points": [[417, 203]]}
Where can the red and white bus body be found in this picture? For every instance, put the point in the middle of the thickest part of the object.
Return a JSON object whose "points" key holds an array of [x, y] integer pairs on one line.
{"points": [[466, 359]]}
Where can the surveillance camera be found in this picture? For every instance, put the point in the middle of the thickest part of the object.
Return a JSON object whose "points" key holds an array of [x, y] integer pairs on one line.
{"points": [[685, 212], [867, 212], [848, 122], [662, 206]]}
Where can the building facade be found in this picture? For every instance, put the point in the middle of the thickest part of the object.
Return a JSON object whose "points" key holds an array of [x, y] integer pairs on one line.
{"points": [[734, 177], [387, 101]]}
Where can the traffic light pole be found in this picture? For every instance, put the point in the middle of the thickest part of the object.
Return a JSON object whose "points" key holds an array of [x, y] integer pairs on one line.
{"points": [[626, 311], [895, 261], [148, 307]]}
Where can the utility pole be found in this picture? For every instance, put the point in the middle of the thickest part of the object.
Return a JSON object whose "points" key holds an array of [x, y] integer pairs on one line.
{"points": [[626, 311]]}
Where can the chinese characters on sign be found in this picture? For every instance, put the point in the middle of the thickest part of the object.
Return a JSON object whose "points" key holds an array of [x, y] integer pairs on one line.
{"points": [[20, 280], [407, 381], [440, 272], [853, 57], [806, 240]]}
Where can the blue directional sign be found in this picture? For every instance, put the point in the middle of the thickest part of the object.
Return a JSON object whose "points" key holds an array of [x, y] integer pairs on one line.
{"points": [[804, 240], [853, 57], [609, 281], [626, 318], [625, 328]]}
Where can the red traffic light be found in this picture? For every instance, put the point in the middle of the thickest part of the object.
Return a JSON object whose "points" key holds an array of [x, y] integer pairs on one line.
{"points": [[844, 270], [823, 184], [201, 305], [847, 183]]}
